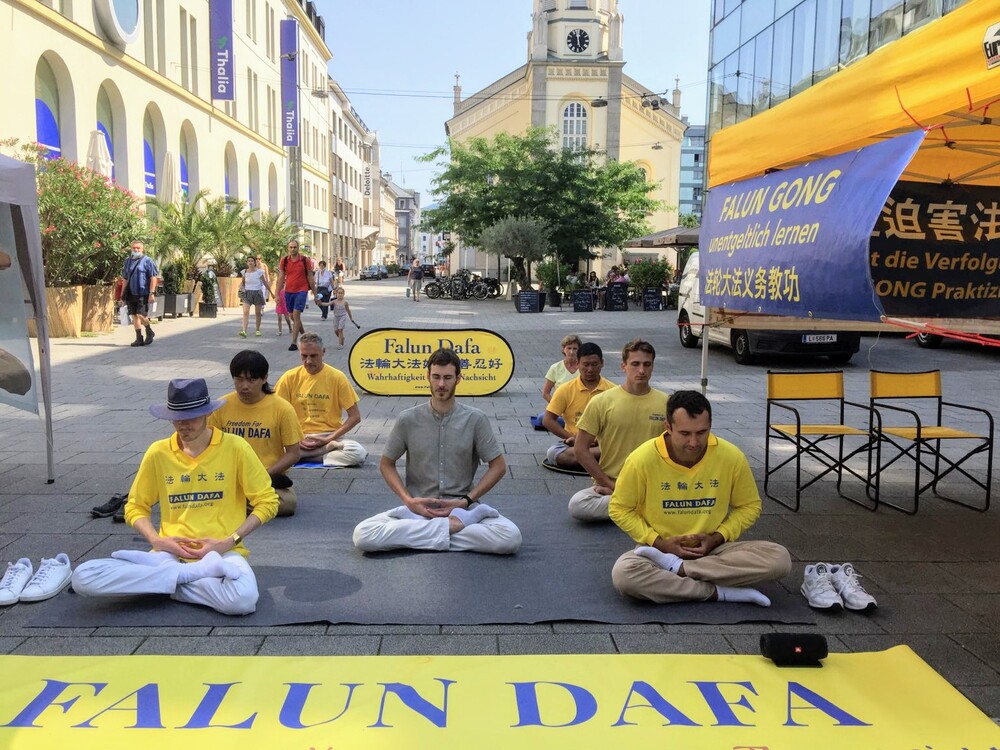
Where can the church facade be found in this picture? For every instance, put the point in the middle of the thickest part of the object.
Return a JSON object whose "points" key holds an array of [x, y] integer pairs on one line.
{"points": [[574, 81]]}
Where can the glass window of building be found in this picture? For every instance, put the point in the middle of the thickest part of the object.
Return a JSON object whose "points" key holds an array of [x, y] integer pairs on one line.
{"points": [[781, 7], [744, 82], [854, 30], [918, 12], [757, 15], [730, 68], [886, 23], [827, 39], [149, 148], [803, 45], [726, 37], [574, 127], [762, 71], [781, 59], [715, 90], [47, 110]]}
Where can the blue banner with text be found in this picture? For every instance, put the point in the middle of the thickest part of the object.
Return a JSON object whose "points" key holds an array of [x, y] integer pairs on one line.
{"points": [[220, 28], [795, 242]]}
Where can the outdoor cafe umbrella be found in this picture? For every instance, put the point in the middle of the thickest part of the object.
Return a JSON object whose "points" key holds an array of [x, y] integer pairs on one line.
{"points": [[170, 186], [98, 156]]}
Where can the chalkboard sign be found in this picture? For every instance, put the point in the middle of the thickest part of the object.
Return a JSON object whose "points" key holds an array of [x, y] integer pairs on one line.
{"points": [[616, 299], [583, 300], [651, 298], [529, 302]]}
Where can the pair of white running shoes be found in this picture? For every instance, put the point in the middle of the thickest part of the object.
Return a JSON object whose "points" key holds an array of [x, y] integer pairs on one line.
{"points": [[833, 587], [22, 584]]}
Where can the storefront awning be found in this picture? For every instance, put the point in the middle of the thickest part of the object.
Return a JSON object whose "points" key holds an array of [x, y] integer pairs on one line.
{"points": [[676, 237], [937, 78]]}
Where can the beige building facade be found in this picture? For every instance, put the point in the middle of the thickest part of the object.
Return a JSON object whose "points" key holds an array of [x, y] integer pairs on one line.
{"points": [[574, 82], [141, 73]]}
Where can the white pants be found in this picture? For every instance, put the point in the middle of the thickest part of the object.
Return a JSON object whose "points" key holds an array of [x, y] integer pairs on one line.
{"points": [[111, 577], [588, 505], [497, 536], [352, 454]]}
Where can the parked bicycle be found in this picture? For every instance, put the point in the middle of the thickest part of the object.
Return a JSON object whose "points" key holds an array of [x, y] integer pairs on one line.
{"points": [[463, 285]]}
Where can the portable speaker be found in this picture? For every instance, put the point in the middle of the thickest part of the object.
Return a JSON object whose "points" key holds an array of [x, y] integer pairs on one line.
{"points": [[794, 649]]}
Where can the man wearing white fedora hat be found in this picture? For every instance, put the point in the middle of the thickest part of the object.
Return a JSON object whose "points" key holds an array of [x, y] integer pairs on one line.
{"points": [[202, 478]]}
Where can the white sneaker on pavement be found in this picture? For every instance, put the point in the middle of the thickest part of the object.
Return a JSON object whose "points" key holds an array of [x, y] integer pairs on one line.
{"points": [[845, 580], [53, 576], [818, 589], [14, 580]]}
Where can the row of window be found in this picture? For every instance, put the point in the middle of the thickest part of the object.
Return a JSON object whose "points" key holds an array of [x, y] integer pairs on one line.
{"points": [[759, 62]]}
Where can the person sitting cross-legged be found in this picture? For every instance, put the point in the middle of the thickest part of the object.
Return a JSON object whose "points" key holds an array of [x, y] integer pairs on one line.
{"points": [[686, 497], [444, 442], [569, 402], [320, 395], [264, 420], [202, 479], [618, 420]]}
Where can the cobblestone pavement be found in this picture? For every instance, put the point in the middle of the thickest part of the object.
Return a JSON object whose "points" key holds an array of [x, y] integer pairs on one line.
{"points": [[936, 575]]}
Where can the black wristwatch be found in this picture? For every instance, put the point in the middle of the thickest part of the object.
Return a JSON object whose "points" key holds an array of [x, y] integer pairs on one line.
{"points": [[468, 500]]}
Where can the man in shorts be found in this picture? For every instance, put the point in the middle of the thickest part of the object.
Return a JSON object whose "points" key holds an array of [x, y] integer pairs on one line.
{"points": [[295, 275], [141, 278]]}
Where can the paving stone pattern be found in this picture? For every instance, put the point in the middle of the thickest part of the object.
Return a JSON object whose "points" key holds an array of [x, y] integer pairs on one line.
{"points": [[936, 575]]}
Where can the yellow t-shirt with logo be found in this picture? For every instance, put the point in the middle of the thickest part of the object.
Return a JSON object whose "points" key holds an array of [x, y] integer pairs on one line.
{"points": [[319, 400], [621, 422], [203, 497], [572, 397], [269, 425], [654, 496]]}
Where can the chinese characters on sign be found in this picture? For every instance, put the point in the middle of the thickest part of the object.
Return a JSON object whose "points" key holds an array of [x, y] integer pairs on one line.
{"points": [[393, 361], [795, 242], [935, 251]]}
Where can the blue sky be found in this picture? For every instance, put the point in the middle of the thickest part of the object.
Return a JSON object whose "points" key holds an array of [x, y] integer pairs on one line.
{"points": [[397, 59]]}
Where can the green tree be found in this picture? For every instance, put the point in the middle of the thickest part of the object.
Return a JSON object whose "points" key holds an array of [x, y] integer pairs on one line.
{"points": [[267, 235], [87, 221], [180, 236], [227, 226], [522, 239], [688, 220], [583, 201]]}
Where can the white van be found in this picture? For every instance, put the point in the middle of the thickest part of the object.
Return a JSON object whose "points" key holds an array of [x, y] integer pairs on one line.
{"points": [[837, 346]]}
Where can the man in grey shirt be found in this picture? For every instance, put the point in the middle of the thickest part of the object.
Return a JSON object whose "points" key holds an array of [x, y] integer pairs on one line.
{"points": [[444, 443]]}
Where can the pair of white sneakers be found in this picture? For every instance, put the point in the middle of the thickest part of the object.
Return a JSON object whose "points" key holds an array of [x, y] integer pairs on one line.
{"points": [[831, 587], [22, 584]]}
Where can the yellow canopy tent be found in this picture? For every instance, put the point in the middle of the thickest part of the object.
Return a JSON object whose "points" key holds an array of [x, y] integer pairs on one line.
{"points": [[937, 78]]}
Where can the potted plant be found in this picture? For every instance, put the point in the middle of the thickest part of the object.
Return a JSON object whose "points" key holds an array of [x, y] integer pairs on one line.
{"points": [[175, 300], [648, 276], [85, 220], [550, 277], [208, 307]]}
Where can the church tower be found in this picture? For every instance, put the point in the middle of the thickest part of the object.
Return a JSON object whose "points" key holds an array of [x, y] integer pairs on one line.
{"points": [[575, 51], [573, 81]]}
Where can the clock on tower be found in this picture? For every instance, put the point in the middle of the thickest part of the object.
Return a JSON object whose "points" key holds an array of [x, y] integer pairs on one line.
{"points": [[577, 40]]}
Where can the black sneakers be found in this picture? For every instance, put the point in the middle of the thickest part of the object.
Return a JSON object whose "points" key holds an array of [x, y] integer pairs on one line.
{"points": [[116, 503]]}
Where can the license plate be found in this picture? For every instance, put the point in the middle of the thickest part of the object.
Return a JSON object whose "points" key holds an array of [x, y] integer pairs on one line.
{"points": [[819, 338]]}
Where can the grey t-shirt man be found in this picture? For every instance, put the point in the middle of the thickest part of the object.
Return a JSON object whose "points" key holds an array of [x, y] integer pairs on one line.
{"points": [[443, 452]]}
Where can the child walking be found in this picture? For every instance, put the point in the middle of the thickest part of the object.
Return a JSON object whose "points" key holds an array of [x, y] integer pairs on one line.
{"points": [[281, 310], [341, 313]]}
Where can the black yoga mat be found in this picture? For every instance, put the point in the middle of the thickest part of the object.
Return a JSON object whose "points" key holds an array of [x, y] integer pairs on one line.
{"points": [[309, 571]]}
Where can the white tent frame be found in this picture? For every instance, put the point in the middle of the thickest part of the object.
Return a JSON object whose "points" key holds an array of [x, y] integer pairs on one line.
{"points": [[19, 196]]}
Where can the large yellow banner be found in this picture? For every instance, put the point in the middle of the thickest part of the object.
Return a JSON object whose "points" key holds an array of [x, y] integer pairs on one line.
{"points": [[890, 699], [393, 361]]}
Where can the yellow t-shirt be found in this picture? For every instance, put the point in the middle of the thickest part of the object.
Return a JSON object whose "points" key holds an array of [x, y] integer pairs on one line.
{"points": [[203, 497], [269, 425], [572, 397], [654, 496], [319, 400], [621, 422]]}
